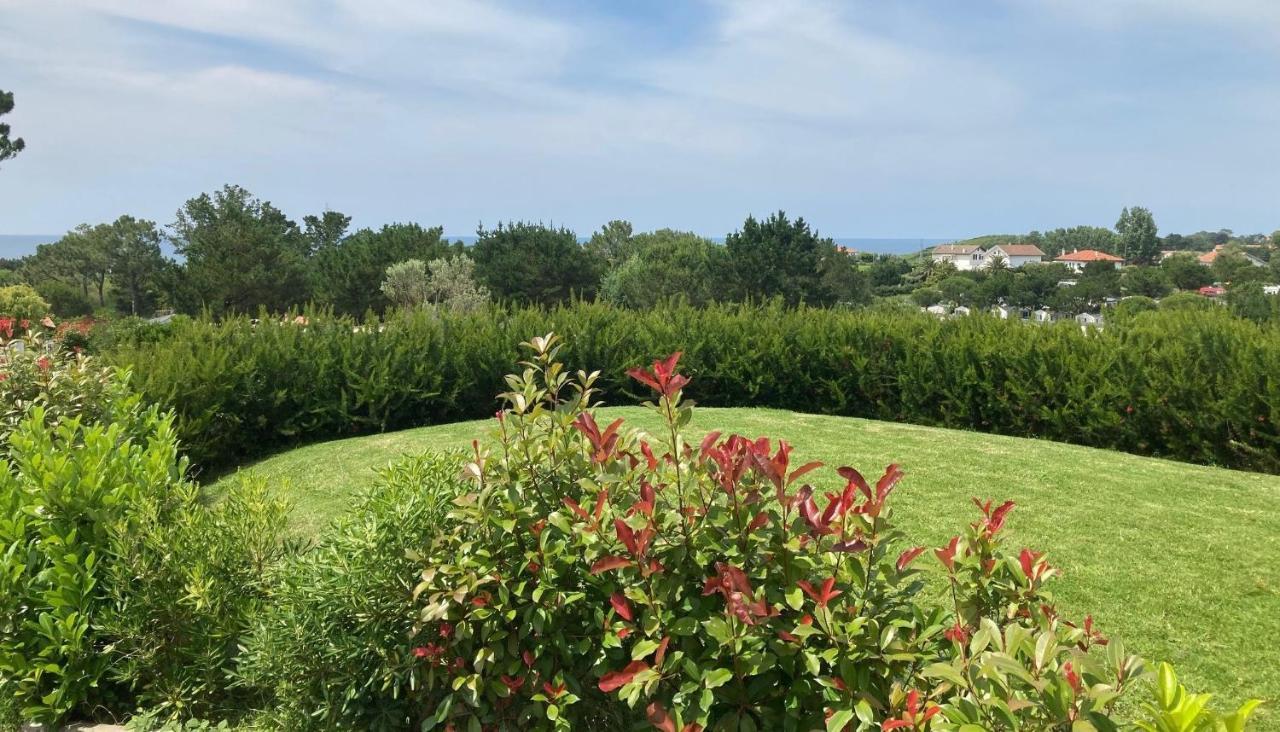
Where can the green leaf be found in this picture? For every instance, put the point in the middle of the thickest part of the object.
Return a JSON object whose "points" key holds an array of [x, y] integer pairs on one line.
{"points": [[716, 677], [946, 672], [839, 720]]}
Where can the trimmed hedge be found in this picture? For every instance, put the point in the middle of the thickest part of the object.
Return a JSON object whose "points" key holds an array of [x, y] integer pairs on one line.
{"points": [[1197, 386]]}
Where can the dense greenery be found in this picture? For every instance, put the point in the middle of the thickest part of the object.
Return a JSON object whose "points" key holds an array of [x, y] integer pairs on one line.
{"points": [[119, 588], [602, 577], [1197, 385], [329, 648]]}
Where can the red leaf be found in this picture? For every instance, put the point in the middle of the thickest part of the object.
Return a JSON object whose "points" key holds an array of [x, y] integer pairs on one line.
{"points": [[615, 680], [907, 557], [660, 719], [761, 519], [621, 606], [576, 508], [802, 470], [662, 651], [600, 501], [608, 563]]}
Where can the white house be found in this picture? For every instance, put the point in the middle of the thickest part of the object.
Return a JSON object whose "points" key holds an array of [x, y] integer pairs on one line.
{"points": [[961, 310], [963, 256], [1089, 320], [1079, 258], [1014, 255], [1271, 289], [1043, 315]]}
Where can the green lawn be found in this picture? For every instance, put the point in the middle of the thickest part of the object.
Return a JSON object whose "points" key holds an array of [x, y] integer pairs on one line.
{"points": [[1180, 561]]}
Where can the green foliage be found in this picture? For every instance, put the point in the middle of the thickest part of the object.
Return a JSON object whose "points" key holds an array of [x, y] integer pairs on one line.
{"points": [[405, 284], [1149, 282], [22, 303], [117, 585], [612, 244], [329, 651], [602, 577], [62, 387], [346, 274], [242, 253], [1061, 241], [663, 265], [1186, 301], [9, 146], [780, 258], [1177, 710], [134, 261], [926, 296], [1139, 240], [1247, 300], [1131, 306], [1185, 271], [533, 263], [1200, 383]]}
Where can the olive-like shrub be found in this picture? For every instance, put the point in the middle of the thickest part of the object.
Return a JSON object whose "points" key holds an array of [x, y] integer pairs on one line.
{"points": [[596, 576]]}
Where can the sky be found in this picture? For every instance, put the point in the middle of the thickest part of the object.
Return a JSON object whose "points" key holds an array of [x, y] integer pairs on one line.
{"points": [[912, 118]]}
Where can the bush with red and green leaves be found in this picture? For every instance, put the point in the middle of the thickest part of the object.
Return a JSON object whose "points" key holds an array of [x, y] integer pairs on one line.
{"points": [[595, 575]]}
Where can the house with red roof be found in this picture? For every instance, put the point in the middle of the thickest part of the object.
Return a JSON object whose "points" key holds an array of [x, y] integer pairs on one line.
{"points": [[1077, 259], [963, 256], [1208, 258], [972, 256]]}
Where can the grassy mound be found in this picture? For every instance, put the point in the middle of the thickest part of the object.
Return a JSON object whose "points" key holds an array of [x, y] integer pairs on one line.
{"points": [[1180, 561]]}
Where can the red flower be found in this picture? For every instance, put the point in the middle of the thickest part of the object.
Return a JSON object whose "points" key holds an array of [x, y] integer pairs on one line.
{"points": [[44, 363], [957, 633], [912, 717], [821, 596], [432, 652], [446, 630], [662, 378]]}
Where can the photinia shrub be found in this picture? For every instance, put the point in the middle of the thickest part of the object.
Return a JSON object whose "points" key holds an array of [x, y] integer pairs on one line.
{"points": [[595, 575]]}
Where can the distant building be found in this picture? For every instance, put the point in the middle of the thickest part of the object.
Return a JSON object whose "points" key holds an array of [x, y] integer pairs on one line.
{"points": [[1208, 258], [1271, 289], [1015, 255], [1079, 258], [1089, 320], [963, 256], [1212, 291]]}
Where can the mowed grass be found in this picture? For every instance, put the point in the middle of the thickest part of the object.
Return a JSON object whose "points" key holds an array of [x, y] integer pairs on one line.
{"points": [[1181, 562]]}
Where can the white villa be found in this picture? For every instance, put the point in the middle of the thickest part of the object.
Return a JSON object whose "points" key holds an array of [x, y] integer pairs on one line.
{"points": [[972, 257], [1079, 258]]}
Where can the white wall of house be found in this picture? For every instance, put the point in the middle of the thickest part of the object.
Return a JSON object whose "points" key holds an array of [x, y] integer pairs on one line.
{"points": [[965, 262], [1013, 260]]}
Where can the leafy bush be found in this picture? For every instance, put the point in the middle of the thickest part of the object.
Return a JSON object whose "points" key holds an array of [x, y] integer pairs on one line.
{"points": [[117, 586], [328, 651], [1196, 386], [23, 303], [64, 387], [602, 577]]}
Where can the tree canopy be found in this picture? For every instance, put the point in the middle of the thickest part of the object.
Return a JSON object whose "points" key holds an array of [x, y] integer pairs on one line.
{"points": [[9, 146]]}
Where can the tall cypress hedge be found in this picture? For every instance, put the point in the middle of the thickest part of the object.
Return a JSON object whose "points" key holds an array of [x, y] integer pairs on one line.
{"points": [[1196, 386]]}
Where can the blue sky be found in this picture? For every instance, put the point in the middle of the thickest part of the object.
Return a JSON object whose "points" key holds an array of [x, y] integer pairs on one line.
{"points": [[869, 118]]}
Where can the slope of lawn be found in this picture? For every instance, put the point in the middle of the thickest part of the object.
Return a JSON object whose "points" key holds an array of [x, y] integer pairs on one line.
{"points": [[1180, 561]]}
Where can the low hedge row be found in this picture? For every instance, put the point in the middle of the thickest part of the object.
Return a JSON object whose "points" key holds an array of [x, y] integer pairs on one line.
{"points": [[1200, 386]]}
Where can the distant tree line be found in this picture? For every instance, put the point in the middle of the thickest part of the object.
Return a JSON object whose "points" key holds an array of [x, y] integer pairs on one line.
{"points": [[236, 253]]}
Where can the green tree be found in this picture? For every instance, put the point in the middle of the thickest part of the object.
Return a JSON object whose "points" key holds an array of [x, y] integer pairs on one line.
{"points": [[780, 258], [325, 231], [1150, 282], [452, 284], [406, 284], [79, 259], [9, 146], [134, 259], [612, 244], [1248, 301], [534, 263], [1139, 240], [957, 289], [346, 275], [1059, 241], [1185, 272], [844, 281], [241, 253], [926, 296], [1231, 266], [666, 264]]}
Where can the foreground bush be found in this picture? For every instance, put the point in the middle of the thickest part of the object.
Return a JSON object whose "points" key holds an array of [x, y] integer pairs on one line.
{"points": [[601, 577], [1197, 386], [118, 588], [328, 650]]}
